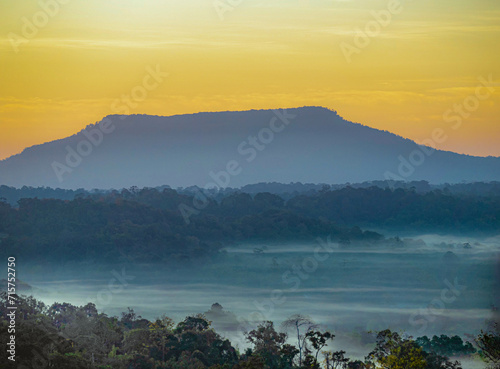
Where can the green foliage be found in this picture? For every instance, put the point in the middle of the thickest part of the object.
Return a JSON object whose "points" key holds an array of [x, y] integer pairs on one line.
{"points": [[335, 360], [395, 352], [446, 346], [403, 209], [489, 344], [270, 347], [319, 340], [122, 227], [147, 225], [79, 337]]}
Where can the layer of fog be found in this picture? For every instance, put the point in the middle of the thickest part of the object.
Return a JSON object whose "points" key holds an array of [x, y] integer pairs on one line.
{"points": [[425, 286]]}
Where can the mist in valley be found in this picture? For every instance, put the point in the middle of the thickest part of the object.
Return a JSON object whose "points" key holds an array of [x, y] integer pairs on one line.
{"points": [[425, 285]]}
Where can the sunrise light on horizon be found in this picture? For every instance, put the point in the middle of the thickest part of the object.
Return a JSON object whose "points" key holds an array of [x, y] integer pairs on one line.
{"points": [[407, 67]]}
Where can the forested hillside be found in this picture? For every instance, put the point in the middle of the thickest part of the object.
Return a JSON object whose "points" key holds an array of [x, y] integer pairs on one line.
{"points": [[149, 224]]}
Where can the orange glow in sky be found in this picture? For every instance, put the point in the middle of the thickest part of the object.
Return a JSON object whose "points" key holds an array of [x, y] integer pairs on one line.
{"points": [[408, 67]]}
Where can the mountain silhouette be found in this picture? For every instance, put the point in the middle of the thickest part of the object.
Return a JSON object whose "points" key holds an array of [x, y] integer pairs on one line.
{"points": [[233, 149]]}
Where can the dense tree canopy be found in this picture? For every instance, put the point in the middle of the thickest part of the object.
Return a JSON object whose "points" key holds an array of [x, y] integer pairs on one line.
{"points": [[110, 227], [148, 224], [63, 336]]}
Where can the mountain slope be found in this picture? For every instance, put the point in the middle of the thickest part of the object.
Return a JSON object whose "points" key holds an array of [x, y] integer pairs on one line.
{"points": [[233, 149]]}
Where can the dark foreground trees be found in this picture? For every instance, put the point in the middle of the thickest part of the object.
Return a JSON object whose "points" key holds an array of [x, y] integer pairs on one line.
{"points": [[393, 351], [489, 344], [446, 346], [63, 336]]}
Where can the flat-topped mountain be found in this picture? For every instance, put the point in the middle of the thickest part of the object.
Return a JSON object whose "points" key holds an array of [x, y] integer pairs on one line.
{"points": [[310, 145]]}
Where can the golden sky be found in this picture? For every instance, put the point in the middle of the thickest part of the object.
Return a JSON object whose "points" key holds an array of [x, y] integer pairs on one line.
{"points": [[65, 64]]}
